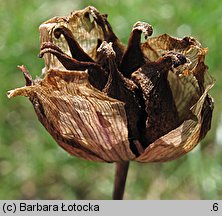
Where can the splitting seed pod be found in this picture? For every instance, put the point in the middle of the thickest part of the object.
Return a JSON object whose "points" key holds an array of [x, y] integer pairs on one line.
{"points": [[104, 101]]}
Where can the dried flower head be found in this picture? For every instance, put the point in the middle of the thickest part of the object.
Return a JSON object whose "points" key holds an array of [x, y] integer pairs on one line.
{"points": [[103, 101]]}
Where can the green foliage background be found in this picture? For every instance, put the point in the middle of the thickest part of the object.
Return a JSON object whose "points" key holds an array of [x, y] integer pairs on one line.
{"points": [[32, 166]]}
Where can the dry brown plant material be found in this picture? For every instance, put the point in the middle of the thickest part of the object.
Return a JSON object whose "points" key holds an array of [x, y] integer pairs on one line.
{"points": [[104, 101]]}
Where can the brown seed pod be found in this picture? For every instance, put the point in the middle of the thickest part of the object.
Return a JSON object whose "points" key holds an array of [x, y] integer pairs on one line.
{"points": [[102, 101]]}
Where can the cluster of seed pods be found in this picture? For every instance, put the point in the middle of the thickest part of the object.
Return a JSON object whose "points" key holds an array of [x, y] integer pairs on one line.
{"points": [[104, 101]]}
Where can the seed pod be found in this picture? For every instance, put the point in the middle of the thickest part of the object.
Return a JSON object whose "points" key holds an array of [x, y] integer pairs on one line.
{"points": [[102, 101]]}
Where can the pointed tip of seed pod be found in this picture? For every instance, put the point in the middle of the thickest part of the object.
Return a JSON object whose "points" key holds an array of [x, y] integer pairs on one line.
{"points": [[144, 27], [176, 58], [106, 49], [26, 74]]}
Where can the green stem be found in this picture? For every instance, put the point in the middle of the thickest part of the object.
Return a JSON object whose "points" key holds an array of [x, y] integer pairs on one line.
{"points": [[120, 179]]}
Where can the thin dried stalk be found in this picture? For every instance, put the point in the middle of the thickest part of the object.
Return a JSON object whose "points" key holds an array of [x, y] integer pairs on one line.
{"points": [[120, 179]]}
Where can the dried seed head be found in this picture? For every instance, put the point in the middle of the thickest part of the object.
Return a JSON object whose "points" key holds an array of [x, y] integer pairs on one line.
{"points": [[102, 101]]}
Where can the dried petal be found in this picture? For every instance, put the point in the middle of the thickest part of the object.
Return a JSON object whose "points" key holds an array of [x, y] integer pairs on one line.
{"points": [[83, 120]]}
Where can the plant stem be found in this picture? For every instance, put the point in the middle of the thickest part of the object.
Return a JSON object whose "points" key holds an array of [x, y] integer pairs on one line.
{"points": [[120, 179]]}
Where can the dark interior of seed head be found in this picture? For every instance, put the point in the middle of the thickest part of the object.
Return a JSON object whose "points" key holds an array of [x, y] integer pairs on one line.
{"points": [[126, 75]]}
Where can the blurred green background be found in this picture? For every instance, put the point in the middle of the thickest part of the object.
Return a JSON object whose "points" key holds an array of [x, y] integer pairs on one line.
{"points": [[32, 166]]}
